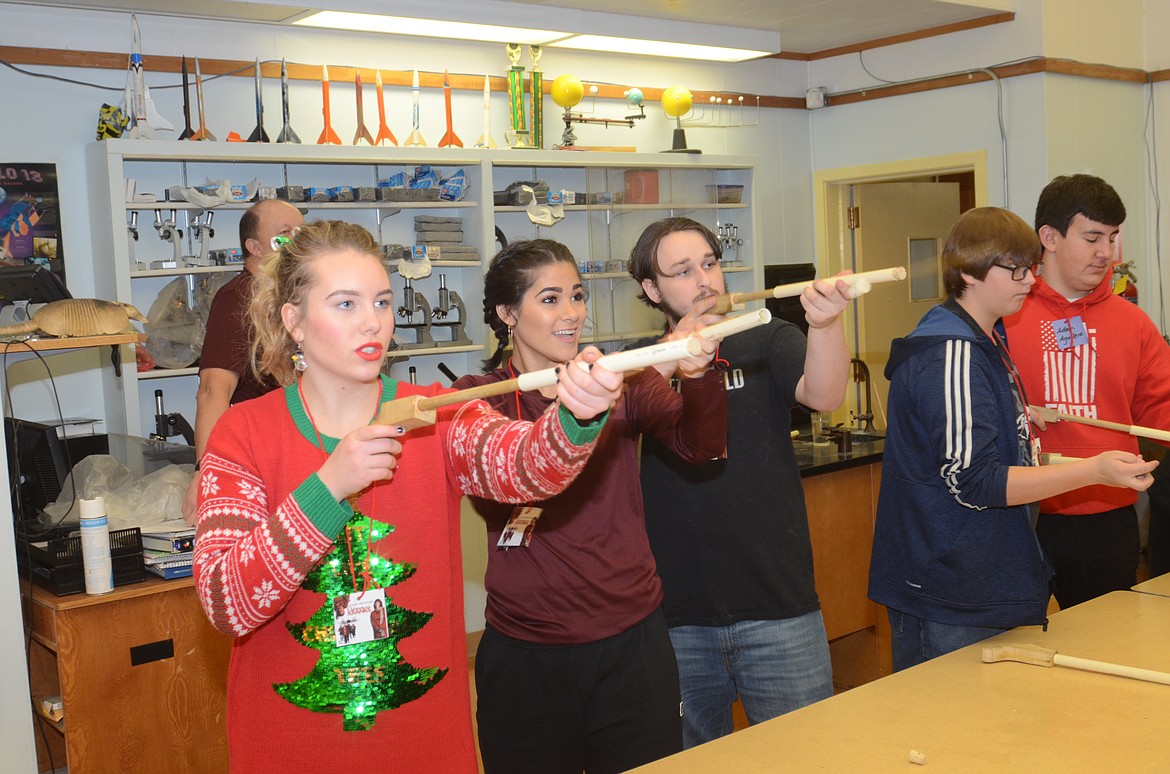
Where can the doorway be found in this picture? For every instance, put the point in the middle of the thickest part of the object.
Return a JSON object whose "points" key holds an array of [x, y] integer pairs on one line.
{"points": [[887, 215]]}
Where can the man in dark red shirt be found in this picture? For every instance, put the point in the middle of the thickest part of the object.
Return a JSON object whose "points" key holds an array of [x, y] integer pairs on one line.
{"points": [[225, 376]]}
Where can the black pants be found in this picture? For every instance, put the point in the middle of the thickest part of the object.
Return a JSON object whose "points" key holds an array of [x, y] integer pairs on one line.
{"points": [[1159, 537], [597, 707], [1091, 554]]}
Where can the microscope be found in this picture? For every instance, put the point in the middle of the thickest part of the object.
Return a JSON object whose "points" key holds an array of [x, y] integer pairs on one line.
{"points": [[449, 301], [168, 232], [132, 231], [203, 232], [169, 425], [728, 236], [415, 303]]}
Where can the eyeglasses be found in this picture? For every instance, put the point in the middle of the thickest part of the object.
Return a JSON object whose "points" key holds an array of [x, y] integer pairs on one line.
{"points": [[1020, 272]]}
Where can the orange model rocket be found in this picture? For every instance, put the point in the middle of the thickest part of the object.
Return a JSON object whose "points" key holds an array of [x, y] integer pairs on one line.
{"points": [[362, 132], [385, 136], [450, 138], [328, 136]]}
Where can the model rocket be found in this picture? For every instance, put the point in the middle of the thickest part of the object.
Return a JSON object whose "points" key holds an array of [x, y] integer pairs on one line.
{"points": [[362, 132], [202, 133], [186, 105], [385, 136], [328, 136], [286, 132], [485, 140], [415, 140], [450, 138], [146, 118], [258, 134]]}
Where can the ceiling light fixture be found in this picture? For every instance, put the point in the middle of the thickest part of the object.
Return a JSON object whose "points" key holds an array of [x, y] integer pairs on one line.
{"points": [[660, 48], [431, 28]]}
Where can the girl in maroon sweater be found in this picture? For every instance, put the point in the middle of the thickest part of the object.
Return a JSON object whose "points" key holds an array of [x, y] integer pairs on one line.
{"points": [[575, 671], [302, 500]]}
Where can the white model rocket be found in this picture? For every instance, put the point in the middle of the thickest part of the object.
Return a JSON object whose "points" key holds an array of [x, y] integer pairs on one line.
{"points": [[485, 140], [415, 140], [144, 117]]}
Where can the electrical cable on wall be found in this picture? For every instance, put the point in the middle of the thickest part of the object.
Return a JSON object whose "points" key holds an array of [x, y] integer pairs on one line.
{"points": [[990, 73], [1151, 143]]}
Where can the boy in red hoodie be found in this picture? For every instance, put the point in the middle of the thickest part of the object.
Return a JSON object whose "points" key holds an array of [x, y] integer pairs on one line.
{"points": [[1083, 350]]}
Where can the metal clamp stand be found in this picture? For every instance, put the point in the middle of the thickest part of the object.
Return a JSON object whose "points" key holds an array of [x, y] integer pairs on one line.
{"points": [[414, 302]]}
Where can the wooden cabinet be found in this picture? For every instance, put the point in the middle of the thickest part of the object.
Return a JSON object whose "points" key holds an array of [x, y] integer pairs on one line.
{"points": [[142, 674], [842, 505]]}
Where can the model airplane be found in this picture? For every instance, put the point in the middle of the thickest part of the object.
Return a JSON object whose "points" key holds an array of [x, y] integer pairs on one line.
{"points": [[415, 140], [258, 134], [202, 133], [328, 136], [362, 132], [385, 136], [145, 118], [186, 135], [286, 132], [450, 138], [485, 140]]}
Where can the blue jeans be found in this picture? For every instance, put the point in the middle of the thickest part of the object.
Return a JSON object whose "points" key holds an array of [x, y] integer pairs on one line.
{"points": [[915, 640], [773, 666]]}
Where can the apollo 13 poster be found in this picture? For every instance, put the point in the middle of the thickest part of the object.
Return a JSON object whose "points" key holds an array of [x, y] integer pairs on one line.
{"points": [[30, 216]]}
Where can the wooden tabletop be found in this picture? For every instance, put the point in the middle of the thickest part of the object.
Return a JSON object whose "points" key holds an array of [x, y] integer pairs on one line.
{"points": [[967, 716], [1159, 585]]}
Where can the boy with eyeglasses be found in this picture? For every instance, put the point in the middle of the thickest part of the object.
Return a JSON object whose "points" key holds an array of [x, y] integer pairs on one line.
{"points": [[1083, 350], [955, 559]]}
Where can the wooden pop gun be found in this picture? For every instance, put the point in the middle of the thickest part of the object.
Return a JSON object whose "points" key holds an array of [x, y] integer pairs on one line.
{"points": [[859, 285], [1052, 415], [1046, 657], [418, 410]]}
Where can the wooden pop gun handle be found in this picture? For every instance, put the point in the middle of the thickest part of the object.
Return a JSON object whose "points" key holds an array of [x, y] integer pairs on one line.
{"points": [[1056, 458], [1052, 415], [859, 285], [418, 410], [1046, 657]]}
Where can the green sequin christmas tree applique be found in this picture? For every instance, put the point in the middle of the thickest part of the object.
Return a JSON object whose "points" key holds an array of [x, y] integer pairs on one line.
{"points": [[362, 679]]}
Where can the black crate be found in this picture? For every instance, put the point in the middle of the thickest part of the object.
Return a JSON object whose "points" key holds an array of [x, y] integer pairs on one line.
{"points": [[58, 565]]}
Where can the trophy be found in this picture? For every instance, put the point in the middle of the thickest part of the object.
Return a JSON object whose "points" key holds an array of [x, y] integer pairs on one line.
{"points": [[519, 136], [537, 135]]}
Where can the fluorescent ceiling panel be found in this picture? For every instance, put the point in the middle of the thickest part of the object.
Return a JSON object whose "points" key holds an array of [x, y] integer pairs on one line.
{"points": [[661, 48], [431, 28]]}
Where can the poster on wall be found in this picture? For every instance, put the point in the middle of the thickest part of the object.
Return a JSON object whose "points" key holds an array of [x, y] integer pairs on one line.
{"points": [[30, 217]]}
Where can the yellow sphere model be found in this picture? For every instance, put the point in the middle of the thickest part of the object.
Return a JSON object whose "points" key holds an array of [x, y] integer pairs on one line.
{"points": [[567, 90], [676, 101]]}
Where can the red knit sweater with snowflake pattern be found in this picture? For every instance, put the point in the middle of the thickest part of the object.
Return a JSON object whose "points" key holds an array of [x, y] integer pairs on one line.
{"points": [[266, 520]]}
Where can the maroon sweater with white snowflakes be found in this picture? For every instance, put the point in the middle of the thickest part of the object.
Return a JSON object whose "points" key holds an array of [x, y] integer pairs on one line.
{"points": [[265, 521]]}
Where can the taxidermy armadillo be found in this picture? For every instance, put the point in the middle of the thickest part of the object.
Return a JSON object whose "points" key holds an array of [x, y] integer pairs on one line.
{"points": [[78, 317]]}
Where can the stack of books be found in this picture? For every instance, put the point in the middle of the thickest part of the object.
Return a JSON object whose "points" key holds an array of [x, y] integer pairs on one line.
{"points": [[167, 552]]}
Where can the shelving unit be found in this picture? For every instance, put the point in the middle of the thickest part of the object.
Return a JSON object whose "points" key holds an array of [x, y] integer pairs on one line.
{"points": [[600, 235]]}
